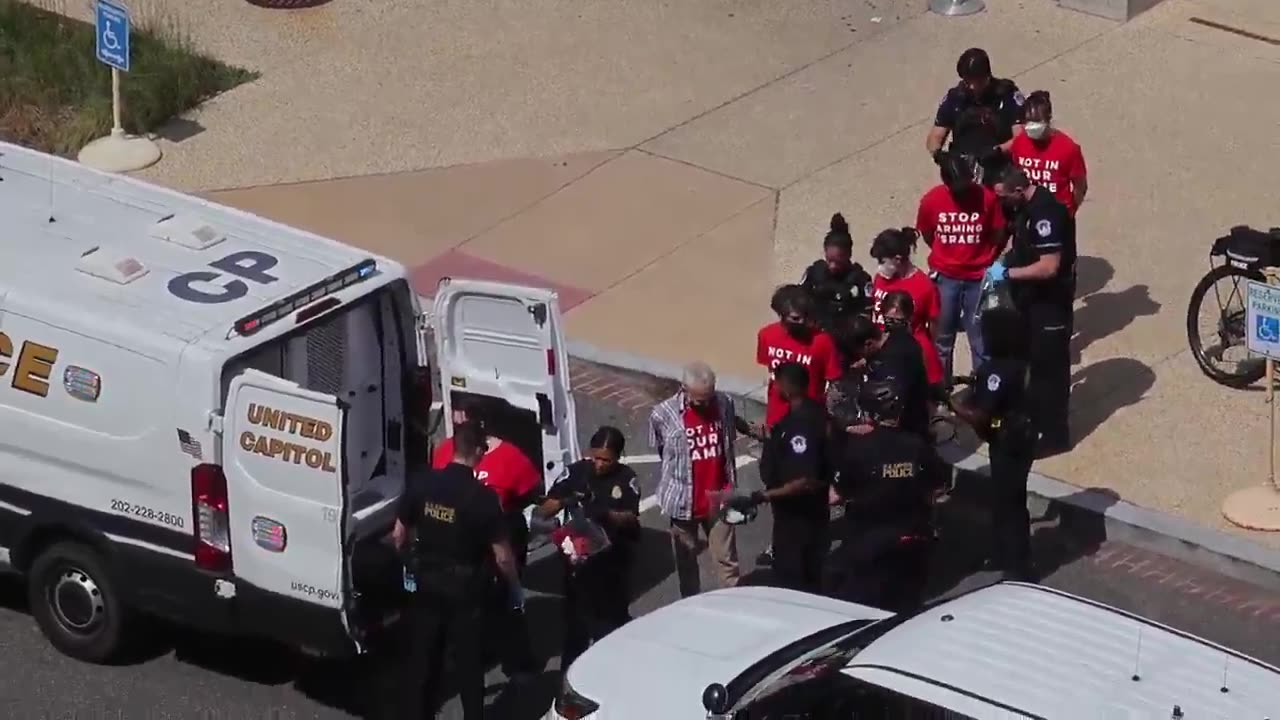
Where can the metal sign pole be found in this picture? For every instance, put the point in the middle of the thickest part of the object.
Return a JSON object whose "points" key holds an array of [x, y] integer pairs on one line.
{"points": [[117, 127], [1258, 507]]}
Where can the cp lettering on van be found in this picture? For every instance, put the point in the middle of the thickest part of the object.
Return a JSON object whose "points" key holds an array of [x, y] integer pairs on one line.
{"points": [[287, 450], [32, 366]]}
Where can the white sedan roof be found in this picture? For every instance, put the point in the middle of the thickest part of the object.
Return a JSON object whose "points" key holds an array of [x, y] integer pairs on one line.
{"points": [[1038, 652]]}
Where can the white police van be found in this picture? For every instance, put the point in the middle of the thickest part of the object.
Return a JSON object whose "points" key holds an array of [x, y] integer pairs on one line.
{"points": [[208, 416]]}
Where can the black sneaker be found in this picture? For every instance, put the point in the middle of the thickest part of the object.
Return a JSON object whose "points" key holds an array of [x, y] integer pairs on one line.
{"points": [[766, 557]]}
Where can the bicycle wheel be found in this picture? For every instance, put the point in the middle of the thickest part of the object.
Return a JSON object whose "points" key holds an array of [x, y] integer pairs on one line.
{"points": [[1227, 315]]}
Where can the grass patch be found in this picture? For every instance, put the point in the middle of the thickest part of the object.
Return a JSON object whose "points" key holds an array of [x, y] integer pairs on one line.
{"points": [[55, 96]]}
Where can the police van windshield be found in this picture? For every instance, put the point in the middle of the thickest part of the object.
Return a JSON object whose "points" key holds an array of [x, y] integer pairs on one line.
{"points": [[365, 354]]}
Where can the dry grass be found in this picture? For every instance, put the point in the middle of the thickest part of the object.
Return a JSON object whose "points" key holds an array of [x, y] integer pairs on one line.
{"points": [[56, 96]]}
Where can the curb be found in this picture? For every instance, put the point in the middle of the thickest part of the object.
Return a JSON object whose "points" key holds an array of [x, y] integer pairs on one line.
{"points": [[1159, 532]]}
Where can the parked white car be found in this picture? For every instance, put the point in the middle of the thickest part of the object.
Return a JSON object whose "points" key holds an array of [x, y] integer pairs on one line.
{"points": [[1010, 650]]}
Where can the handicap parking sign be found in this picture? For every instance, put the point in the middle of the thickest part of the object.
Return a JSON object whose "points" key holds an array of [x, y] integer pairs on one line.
{"points": [[1263, 318], [113, 29]]}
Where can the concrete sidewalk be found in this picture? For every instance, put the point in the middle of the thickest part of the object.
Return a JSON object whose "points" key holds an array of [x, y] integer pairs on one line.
{"points": [[680, 161]]}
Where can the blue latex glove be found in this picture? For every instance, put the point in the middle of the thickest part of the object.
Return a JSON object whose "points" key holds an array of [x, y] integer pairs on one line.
{"points": [[997, 273]]}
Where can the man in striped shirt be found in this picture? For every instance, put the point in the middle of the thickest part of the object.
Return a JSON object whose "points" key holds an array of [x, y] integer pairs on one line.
{"points": [[693, 432]]}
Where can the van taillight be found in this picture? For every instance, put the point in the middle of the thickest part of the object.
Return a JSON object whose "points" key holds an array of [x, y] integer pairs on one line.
{"points": [[212, 521], [551, 362]]}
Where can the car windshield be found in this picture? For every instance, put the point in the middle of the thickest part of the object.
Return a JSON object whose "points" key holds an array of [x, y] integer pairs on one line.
{"points": [[835, 696]]}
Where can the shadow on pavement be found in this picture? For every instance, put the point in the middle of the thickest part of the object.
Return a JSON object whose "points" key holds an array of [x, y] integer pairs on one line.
{"points": [[1064, 534], [1092, 275], [1100, 390], [1105, 313]]}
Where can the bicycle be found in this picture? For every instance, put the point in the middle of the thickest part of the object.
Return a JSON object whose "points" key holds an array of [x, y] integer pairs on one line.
{"points": [[1244, 252]]}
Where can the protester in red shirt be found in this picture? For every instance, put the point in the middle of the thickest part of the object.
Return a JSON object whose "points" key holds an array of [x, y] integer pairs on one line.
{"points": [[892, 250], [795, 338], [1049, 156], [963, 226]]}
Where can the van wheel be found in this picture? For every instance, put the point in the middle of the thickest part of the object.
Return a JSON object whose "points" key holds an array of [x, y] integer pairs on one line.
{"points": [[74, 601]]}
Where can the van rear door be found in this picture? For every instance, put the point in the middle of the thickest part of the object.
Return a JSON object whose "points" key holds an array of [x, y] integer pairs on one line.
{"points": [[507, 341], [283, 451]]}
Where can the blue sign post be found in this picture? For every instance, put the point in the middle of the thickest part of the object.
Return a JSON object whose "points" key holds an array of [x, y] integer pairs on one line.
{"points": [[116, 152]]}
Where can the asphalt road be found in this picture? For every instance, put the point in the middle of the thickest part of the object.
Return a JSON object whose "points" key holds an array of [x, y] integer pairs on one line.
{"points": [[190, 676]]}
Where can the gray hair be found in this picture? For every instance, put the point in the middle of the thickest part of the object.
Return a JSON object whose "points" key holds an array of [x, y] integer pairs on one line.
{"points": [[698, 376]]}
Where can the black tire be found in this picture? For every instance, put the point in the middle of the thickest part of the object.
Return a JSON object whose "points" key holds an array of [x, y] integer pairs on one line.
{"points": [[69, 586], [1253, 371]]}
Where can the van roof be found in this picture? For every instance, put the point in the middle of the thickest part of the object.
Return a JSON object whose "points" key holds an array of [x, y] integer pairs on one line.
{"points": [[1038, 652], [106, 248]]}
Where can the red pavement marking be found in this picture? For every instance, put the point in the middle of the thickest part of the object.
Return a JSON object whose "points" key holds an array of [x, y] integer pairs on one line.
{"points": [[1186, 579], [456, 263]]}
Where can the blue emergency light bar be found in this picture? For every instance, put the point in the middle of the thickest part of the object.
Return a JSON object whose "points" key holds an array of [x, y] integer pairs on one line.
{"points": [[250, 324]]}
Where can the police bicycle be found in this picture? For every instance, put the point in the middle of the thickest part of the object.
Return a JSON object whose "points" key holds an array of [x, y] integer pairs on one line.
{"points": [[1216, 316]]}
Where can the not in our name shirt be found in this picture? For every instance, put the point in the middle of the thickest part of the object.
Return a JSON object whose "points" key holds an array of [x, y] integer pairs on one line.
{"points": [[775, 346]]}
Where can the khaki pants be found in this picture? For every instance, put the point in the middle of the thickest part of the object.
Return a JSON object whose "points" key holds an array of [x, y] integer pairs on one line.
{"points": [[721, 540]]}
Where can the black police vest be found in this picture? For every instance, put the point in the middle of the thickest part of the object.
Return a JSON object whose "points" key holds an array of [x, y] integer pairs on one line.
{"points": [[1058, 290], [446, 558], [838, 295]]}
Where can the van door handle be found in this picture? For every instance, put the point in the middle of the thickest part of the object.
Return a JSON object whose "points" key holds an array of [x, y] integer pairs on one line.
{"points": [[544, 411]]}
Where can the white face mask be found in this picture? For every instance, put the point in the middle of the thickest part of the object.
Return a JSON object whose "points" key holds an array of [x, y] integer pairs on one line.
{"points": [[1036, 130], [888, 269]]}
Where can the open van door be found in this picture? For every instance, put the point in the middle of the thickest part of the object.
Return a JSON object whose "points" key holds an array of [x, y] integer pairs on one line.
{"points": [[507, 341], [283, 451]]}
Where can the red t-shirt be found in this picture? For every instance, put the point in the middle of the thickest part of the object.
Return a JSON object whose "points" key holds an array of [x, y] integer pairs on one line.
{"points": [[966, 234], [1056, 163], [706, 462], [775, 346], [928, 305], [504, 469]]}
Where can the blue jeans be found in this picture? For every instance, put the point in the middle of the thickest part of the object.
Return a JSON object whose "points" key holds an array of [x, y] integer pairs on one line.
{"points": [[959, 301]]}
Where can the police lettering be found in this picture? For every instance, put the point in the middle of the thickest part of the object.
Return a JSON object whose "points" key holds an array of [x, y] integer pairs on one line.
{"points": [[294, 424], [898, 471], [32, 368], [440, 513], [959, 228], [1042, 172], [201, 286], [704, 440]]}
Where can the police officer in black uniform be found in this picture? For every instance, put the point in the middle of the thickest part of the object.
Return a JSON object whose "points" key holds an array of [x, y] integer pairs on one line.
{"points": [[980, 114], [793, 469], [997, 410], [839, 286], [894, 353], [886, 479], [606, 491], [451, 527], [1040, 268]]}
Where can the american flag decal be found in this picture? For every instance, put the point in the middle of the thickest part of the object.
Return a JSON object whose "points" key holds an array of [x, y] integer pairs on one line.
{"points": [[190, 445]]}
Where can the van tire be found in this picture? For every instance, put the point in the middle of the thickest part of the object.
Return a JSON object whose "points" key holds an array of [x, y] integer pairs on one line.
{"points": [[74, 601]]}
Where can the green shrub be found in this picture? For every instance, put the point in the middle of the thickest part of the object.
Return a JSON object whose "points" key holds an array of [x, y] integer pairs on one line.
{"points": [[56, 96]]}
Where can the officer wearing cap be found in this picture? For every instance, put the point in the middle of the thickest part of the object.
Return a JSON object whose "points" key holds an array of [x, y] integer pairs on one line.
{"points": [[838, 285], [452, 527], [1040, 269], [997, 410], [793, 469], [886, 479], [981, 114]]}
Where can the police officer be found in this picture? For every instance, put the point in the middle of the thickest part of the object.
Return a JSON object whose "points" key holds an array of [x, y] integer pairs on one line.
{"points": [[886, 479], [606, 491], [839, 286], [793, 469], [1040, 268], [451, 527], [981, 114], [894, 353], [997, 410]]}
